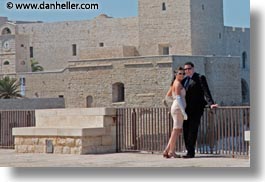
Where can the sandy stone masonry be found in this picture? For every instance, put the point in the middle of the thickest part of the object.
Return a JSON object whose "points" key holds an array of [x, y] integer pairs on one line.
{"points": [[74, 53], [69, 131]]}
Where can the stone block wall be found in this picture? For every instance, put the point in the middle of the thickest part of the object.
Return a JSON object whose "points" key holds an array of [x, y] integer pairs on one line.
{"points": [[65, 145], [207, 27], [170, 27], [224, 79], [61, 131], [237, 41], [45, 84], [23, 63], [222, 74], [107, 52], [52, 42], [146, 80], [62, 145], [7, 54]]}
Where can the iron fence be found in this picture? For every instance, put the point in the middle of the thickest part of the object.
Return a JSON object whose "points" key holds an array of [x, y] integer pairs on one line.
{"points": [[12, 119], [148, 129]]}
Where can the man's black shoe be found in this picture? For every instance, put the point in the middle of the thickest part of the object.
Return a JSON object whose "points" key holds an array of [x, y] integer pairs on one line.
{"points": [[188, 156]]}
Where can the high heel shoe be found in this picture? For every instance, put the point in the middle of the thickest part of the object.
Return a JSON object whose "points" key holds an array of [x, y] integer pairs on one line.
{"points": [[165, 154], [173, 154]]}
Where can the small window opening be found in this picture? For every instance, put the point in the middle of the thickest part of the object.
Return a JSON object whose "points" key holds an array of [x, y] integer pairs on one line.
{"points": [[31, 52], [118, 92], [165, 50], [74, 49], [164, 7], [244, 59]]}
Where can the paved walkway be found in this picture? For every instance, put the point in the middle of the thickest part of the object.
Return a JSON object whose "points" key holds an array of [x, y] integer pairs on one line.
{"points": [[9, 158]]}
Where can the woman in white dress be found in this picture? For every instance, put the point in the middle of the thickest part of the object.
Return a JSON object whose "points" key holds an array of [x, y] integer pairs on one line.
{"points": [[177, 91]]}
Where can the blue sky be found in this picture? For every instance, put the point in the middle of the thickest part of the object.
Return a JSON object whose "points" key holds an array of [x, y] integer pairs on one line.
{"points": [[236, 12]]}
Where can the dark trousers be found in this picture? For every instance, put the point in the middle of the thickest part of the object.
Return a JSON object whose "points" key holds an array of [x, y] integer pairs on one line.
{"points": [[190, 131]]}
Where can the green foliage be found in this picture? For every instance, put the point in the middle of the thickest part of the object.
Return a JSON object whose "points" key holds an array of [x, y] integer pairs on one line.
{"points": [[9, 88], [35, 66]]}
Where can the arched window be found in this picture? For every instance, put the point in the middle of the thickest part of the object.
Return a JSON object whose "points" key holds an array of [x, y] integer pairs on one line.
{"points": [[245, 91], [244, 59], [118, 92], [6, 31], [6, 63], [89, 101]]}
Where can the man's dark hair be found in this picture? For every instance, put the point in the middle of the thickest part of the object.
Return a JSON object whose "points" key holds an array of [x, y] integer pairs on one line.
{"points": [[189, 63]]}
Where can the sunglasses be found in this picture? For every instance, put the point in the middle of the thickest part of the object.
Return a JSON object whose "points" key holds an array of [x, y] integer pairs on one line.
{"points": [[181, 73], [187, 69]]}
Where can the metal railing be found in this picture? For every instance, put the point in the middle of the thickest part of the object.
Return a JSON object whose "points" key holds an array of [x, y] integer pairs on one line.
{"points": [[12, 119], [148, 129]]}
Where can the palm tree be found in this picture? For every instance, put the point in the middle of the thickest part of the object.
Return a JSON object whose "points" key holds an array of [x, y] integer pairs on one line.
{"points": [[34, 66], [9, 88]]}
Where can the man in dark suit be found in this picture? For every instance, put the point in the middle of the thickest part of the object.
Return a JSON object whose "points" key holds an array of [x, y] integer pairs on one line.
{"points": [[197, 97]]}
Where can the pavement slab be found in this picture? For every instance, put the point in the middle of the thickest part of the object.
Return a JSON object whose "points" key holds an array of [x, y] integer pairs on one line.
{"points": [[9, 158]]}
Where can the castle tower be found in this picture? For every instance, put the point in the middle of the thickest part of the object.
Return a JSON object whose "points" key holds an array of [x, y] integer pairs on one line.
{"points": [[207, 27], [183, 27], [13, 50], [7, 47]]}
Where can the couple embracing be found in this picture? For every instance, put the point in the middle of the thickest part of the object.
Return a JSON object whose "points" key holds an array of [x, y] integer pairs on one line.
{"points": [[190, 93]]}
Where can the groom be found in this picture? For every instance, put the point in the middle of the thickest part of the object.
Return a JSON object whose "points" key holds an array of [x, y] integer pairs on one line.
{"points": [[197, 97]]}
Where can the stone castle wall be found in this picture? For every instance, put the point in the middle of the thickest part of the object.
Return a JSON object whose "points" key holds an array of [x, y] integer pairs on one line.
{"points": [[192, 27], [108, 52], [237, 41], [7, 54], [207, 27], [224, 80], [22, 53], [128, 51], [222, 76], [146, 80], [52, 42], [46, 84], [170, 27]]}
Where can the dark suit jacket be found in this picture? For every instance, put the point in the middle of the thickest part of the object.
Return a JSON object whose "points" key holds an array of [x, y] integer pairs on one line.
{"points": [[197, 94]]}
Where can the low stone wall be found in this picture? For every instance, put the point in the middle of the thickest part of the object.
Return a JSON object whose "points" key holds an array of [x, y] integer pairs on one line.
{"points": [[65, 145], [62, 145], [73, 131]]}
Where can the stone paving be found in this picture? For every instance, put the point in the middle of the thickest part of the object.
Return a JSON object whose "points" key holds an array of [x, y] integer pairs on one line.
{"points": [[9, 158]]}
